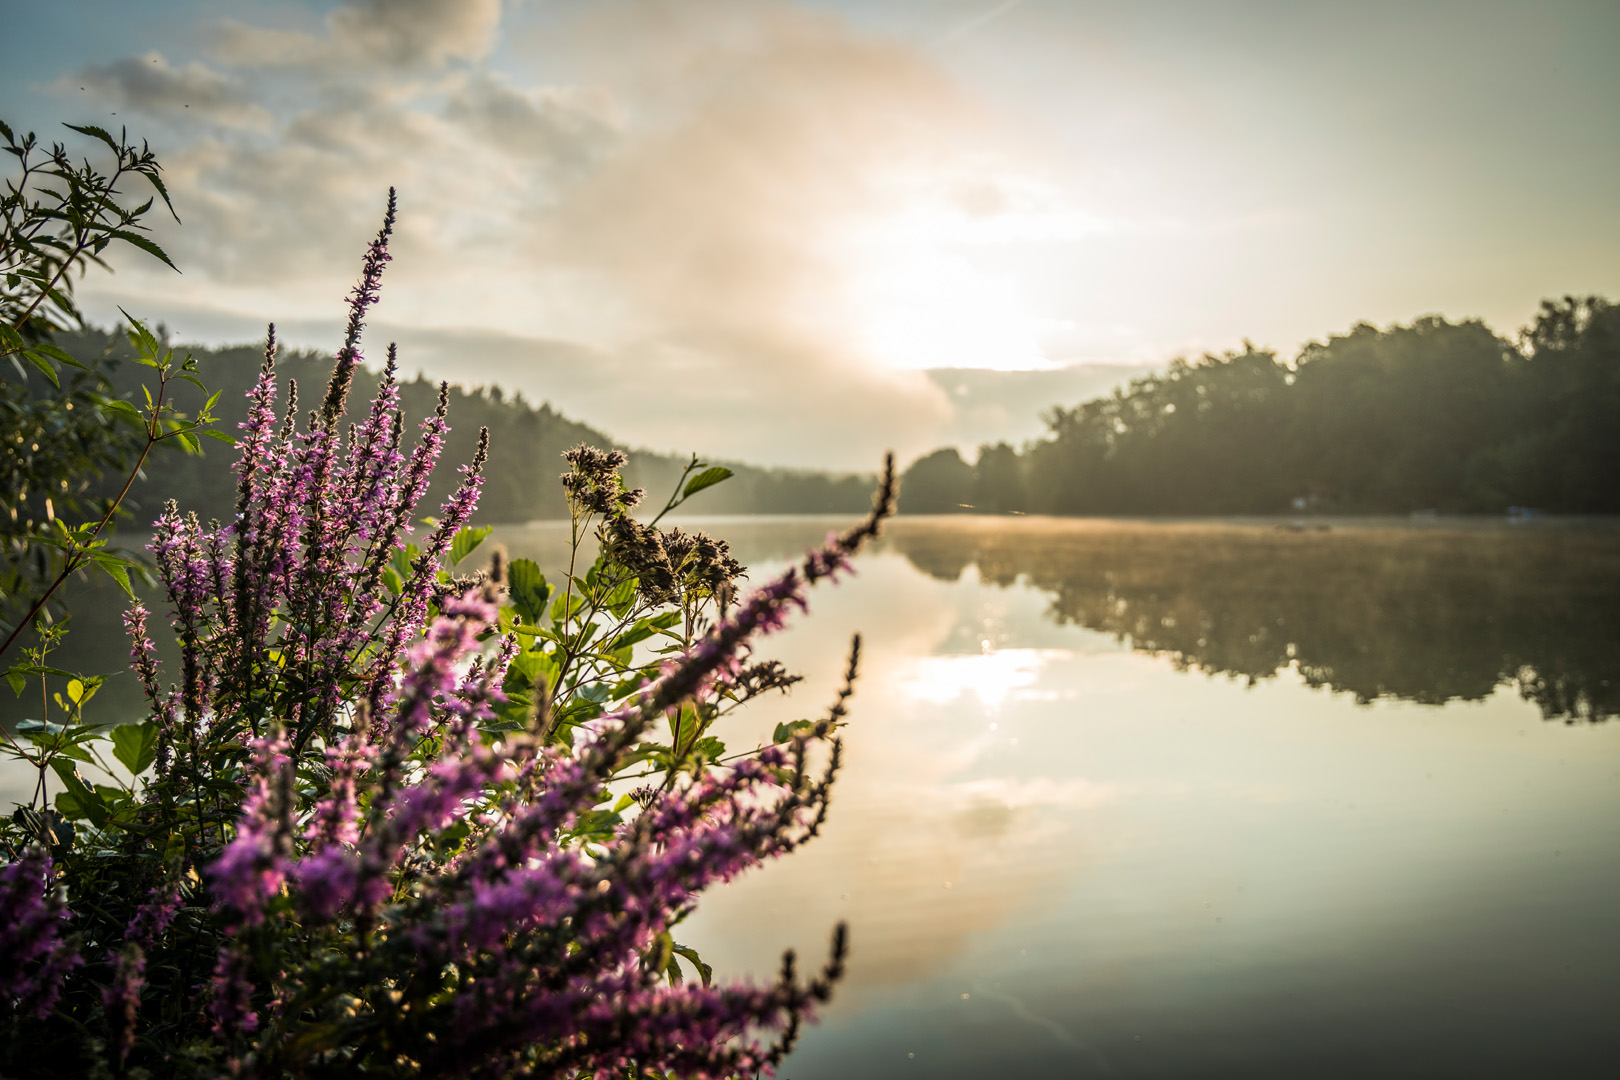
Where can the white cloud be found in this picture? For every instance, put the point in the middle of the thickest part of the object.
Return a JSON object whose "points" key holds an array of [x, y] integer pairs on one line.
{"points": [[694, 207]]}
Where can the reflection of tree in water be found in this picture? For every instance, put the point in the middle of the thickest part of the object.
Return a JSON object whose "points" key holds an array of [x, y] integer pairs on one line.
{"points": [[1424, 614]]}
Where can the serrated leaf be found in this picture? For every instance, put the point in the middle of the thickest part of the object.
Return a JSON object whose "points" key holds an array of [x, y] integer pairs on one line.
{"points": [[227, 439], [466, 541], [157, 182], [114, 568], [709, 477], [95, 132], [527, 587], [146, 245], [142, 339]]}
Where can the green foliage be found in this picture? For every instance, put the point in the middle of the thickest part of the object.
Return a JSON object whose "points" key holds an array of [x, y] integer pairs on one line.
{"points": [[526, 439], [939, 483], [60, 438], [1435, 415], [56, 218]]}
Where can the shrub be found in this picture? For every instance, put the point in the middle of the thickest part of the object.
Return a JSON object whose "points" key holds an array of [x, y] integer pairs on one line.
{"points": [[382, 819]]}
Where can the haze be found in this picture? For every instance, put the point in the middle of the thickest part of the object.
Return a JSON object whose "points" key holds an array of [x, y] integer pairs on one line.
{"points": [[802, 233]]}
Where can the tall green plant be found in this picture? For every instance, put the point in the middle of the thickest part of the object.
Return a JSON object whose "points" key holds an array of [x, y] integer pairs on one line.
{"points": [[58, 217], [385, 820]]}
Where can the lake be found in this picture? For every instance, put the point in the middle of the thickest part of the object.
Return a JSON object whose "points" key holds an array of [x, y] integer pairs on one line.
{"points": [[1203, 800], [1194, 799]]}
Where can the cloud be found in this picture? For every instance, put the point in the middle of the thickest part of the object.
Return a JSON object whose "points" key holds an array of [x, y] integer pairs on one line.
{"points": [[148, 83], [568, 127], [404, 35], [695, 207]]}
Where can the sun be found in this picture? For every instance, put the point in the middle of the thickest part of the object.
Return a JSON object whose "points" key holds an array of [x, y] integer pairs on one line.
{"points": [[921, 280]]}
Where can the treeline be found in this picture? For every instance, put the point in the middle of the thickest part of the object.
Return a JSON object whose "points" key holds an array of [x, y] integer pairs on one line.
{"points": [[1436, 415], [525, 455]]}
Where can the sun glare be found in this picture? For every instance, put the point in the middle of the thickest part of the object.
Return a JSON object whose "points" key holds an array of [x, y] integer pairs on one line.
{"points": [[923, 297], [992, 677], [932, 308]]}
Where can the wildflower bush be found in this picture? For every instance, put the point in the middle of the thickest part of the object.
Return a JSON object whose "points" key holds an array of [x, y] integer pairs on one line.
{"points": [[387, 820]]}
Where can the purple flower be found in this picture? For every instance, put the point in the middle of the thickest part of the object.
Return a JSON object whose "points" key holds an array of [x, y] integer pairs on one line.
{"points": [[232, 1003], [34, 958], [250, 870]]}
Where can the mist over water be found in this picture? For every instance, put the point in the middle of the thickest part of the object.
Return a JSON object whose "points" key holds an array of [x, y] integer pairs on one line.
{"points": [[1187, 799], [1140, 800]]}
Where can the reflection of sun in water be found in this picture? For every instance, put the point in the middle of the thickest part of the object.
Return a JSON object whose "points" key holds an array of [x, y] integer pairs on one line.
{"points": [[992, 677]]}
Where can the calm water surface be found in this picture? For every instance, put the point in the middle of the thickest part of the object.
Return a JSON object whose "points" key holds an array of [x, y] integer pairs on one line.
{"points": [[1193, 800], [1161, 800]]}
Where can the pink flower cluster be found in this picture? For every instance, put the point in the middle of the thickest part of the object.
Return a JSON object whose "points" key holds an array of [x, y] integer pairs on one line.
{"points": [[395, 875]]}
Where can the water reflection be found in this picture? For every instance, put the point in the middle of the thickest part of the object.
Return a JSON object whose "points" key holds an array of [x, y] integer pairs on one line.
{"points": [[1061, 856], [1423, 614]]}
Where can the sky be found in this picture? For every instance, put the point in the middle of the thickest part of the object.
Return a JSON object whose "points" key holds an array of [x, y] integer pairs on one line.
{"points": [[805, 233]]}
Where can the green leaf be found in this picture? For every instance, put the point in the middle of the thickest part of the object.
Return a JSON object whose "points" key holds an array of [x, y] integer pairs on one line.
{"points": [[58, 354], [157, 182], [135, 746], [527, 587], [18, 678], [786, 732], [402, 560], [706, 479], [621, 599], [562, 609], [635, 635], [711, 748], [705, 972], [228, 440], [125, 409], [95, 132], [466, 541], [137, 240], [141, 338], [115, 568], [44, 365], [90, 805], [531, 669], [189, 441]]}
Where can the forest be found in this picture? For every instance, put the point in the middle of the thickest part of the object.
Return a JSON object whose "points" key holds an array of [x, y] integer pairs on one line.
{"points": [[527, 442], [1442, 416], [1433, 416]]}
